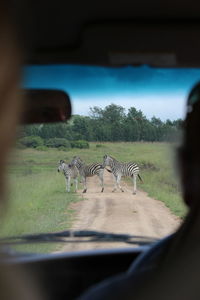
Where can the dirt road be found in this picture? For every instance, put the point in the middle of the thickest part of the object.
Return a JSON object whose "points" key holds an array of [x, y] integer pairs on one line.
{"points": [[119, 213]]}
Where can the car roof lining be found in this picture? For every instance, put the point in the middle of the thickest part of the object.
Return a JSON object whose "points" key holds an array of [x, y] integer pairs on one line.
{"points": [[88, 32]]}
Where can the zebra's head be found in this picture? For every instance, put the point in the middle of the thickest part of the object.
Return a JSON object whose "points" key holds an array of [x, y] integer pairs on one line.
{"points": [[106, 160], [75, 161], [61, 165]]}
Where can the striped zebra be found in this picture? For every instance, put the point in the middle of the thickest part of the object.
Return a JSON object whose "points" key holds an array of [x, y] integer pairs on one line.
{"points": [[69, 172], [89, 171], [120, 169]]}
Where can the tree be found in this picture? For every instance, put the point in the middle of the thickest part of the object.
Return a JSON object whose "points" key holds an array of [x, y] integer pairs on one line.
{"points": [[82, 126], [108, 124]]}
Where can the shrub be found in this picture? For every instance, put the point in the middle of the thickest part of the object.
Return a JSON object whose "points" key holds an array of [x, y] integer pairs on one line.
{"points": [[31, 141], [42, 148], [62, 148], [100, 146], [148, 166], [57, 143], [80, 144]]}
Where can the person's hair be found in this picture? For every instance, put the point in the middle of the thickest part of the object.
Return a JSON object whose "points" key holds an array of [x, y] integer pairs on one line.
{"points": [[189, 152], [191, 140]]}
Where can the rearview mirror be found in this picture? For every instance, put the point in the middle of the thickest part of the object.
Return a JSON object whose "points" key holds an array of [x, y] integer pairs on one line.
{"points": [[45, 106]]}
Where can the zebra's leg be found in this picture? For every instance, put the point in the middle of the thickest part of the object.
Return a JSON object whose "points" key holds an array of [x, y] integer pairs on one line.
{"points": [[115, 185], [82, 179], [68, 184], [134, 184], [118, 182], [84, 184], [101, 180], [76, 183]]}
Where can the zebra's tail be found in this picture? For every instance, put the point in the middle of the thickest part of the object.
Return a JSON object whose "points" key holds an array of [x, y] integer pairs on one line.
{"points": [[140, 178]]}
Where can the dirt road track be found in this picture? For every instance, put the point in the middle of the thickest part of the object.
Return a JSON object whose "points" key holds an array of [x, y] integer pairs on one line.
{"points": [[119, 213]]}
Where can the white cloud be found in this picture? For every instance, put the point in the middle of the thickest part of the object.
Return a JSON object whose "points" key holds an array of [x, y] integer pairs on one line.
{"points": [[161, 106]]}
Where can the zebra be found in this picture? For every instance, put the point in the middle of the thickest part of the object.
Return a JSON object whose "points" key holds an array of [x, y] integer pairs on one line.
{"points": [[69, 172], [120, 169], [89, 171]]}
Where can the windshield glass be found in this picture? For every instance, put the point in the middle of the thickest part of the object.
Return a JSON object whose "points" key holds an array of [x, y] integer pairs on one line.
{"points": [[117, 150]]}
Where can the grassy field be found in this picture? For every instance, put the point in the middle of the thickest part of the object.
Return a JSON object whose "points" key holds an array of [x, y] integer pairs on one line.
{"points": [[39, 202]]}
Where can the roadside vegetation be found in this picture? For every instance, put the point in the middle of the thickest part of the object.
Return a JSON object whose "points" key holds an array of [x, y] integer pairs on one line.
{"points": [[38, 199], [39, 202], [111, 124]]}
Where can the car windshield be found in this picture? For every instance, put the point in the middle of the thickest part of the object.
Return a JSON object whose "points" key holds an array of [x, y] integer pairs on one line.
{"points": [[118, 147]]}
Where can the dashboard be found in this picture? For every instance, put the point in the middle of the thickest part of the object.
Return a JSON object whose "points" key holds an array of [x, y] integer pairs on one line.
{"points": [[68, 275]]}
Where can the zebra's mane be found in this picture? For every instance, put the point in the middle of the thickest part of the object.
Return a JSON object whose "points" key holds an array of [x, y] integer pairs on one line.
{"points": [[77, 158], [113, 158], [62, 161], [79, 161], [120, 161]]}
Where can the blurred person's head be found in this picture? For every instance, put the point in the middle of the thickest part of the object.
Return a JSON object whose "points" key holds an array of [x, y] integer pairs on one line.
{"points": [[189, 153], [10, 103], [14, 284]]}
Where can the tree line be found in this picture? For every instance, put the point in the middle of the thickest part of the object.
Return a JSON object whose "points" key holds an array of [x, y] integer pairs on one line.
{"points": [[111, 123]]}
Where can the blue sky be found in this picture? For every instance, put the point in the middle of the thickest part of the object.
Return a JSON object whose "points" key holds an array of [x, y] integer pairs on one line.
{"points": [[157, 92]]}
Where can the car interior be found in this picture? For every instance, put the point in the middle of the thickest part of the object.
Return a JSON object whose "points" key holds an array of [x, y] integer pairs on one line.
{"points": [[157, 34]]}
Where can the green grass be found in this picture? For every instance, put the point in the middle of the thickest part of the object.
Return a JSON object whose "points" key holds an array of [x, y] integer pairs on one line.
{"points": [[39, 202]]}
